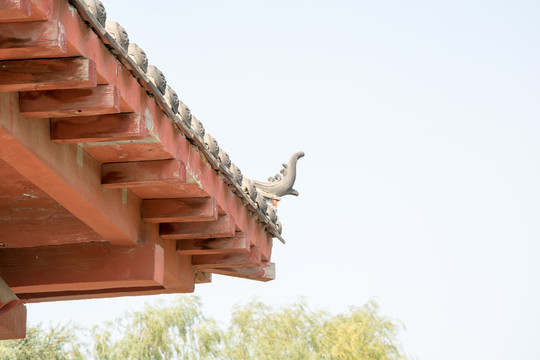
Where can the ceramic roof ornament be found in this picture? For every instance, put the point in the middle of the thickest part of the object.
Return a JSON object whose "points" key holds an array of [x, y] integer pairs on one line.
{"points": [[118, 33], [97, 9], [236, 173], [157, 78], [211, 144], [184, 113], [172, 99], [138, 56], [197, 127], [249, 188], [280, 185], [264, 195]]}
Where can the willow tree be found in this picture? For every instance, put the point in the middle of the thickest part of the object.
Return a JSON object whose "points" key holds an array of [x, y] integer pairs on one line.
{"points": [[179, 330], [295, 332], [53, 343]]}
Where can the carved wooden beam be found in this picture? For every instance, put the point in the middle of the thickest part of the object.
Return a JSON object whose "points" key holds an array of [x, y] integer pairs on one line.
{"points": [[81, 267], [47, 74], [265, 272], [251, 259], [224, 226], [237, 244], [103, 99], [84, 129]]}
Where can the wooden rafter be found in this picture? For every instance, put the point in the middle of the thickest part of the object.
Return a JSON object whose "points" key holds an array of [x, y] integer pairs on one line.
{"points": [[222, 227], [102, 99], [142, 173], [179, 210], [237, 244], [251, 259], [84, 129], [47, 74], [265, 272], [81, 267]]}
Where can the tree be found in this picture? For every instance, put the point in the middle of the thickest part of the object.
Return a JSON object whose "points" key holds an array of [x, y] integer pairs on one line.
{"points": [[178, 330], [54, 343], [295, 332]]}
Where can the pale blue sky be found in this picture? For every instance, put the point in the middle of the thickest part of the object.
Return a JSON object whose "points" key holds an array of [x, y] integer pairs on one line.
{"points": [[420, 123]]}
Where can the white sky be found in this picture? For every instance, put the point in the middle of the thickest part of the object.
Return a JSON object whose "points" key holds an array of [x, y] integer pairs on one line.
{"points": [[420, 124]]}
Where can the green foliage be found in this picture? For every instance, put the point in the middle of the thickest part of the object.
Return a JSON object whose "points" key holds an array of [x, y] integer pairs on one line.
{"points": [[295, 332], [178, 330], [55, 343]]}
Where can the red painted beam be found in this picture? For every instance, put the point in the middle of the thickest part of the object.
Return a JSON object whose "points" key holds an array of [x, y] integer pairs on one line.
{"points": [[222, 227], [13, 10], [24, 10], [179, 210], [265, 272], [80, 267], [251, 259], [102, 99], [68, 175], [79, 129], [31, 40], [81, 41], [143, 173], [47, 74], [13, 323], [237, 244]]}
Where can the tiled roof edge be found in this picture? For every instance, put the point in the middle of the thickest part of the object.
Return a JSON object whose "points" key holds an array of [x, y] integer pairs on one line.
{"points": [[93, 13]]}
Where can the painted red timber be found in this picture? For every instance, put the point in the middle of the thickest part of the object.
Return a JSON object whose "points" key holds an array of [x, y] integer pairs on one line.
{"points": [[265, 272], [13, 323], [81, 129], [76, 267], [24, 10], [161, 127], [99, 100], [47, 74], [68, 175], [164, 141], [14, 10], [179, 210], [237, 244], [223, 227], [251, 259], [30, 40]]}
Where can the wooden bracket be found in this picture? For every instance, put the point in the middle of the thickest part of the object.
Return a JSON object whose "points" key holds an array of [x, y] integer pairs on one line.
{"points": [[179, 210], [222, 227], [142, 173], [25, 10], [32, 40], [237, 244], [84, 129], [251, 259], [47, 74], [80, 267], [102, 99], [265, 272]]}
